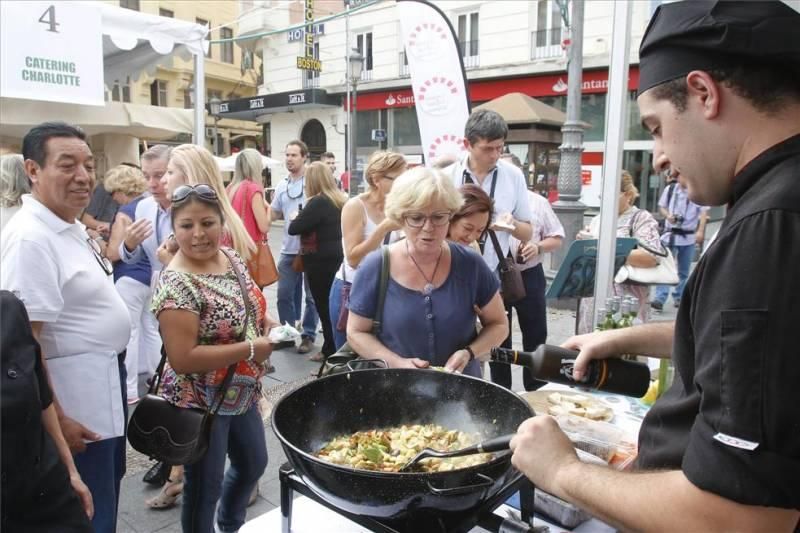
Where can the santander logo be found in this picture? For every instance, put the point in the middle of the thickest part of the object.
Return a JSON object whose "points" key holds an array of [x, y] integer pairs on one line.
{"points": [[560, 86], [399, 100]]}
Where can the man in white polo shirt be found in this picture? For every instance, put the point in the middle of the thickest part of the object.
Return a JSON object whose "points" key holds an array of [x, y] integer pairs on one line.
{"points": [[78, 318], [484, 137]]}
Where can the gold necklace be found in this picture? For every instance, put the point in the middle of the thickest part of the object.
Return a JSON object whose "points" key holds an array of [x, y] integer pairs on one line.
{"points": [[428, 288]]}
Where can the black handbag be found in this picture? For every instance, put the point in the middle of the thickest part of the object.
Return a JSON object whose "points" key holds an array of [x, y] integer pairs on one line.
{"points": [[178, 435], [512, 287]]}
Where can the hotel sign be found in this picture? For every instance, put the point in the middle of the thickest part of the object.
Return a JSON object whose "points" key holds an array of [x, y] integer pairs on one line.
{"points": [[308, 61]]}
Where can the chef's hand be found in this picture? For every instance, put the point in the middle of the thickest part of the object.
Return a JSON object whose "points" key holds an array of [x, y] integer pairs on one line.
{"points": [[458, 361], [410, 362], [137, 232], [595, 345], [541, 450], [83, 493], [76, 434]]}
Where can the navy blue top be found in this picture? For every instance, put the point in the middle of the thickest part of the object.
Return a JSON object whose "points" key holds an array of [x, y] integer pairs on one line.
{"points": [[140, 271], [429, 327]]}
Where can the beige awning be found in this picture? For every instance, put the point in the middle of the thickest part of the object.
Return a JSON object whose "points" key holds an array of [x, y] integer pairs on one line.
{"points": [[519, 108], [17, 116]]}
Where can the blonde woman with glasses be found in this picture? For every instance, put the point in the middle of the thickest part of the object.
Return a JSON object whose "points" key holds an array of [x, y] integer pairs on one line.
{"points": [[364, 228], [436, 288]]}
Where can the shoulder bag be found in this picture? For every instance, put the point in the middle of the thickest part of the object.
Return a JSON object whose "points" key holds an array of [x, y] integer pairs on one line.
{"points": [[512, 288], [179, 435], [261, 265], [345, 354], [664, 273]]}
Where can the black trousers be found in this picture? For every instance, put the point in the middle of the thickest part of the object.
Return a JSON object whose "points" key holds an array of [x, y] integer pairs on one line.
{"points": [[532, 318], [320, 272]]}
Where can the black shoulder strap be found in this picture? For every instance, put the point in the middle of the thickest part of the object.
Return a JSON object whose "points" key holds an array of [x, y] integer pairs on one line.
{"points": [[497, 249], [384, 285]]}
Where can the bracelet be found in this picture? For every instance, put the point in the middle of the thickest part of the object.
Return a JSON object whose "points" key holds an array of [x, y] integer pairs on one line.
{"points": [[252, 350], [470, 352]]}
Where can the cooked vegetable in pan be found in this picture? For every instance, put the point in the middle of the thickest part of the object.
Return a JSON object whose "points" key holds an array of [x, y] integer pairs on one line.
{"points": [[389, 449]]}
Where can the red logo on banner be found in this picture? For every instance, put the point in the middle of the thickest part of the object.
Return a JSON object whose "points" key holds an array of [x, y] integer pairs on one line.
{"points": [[435, 96], [444, 145], [426, 40]]}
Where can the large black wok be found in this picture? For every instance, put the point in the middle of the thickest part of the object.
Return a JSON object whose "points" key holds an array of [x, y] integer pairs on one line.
{"points": [[305, 419]]}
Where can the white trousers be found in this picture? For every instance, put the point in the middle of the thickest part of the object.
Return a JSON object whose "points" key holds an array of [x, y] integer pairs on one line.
{"points": [[144, 347]]}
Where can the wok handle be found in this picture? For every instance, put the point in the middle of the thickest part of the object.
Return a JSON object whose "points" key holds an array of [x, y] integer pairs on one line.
{"points": [[484, 483], [377, 362]]}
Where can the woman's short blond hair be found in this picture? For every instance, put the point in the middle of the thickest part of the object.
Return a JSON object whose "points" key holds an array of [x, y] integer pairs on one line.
{"points": [[420, 188], [125, 179], [198, 165], [382, 163]]}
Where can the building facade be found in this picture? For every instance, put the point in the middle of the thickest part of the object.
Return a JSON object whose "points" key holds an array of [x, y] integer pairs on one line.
{"points": [[507, 46], [230, 72]]}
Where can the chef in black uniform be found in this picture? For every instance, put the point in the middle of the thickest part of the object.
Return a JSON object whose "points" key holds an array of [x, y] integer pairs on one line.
{"points": [[719, 91], [42, 491]]}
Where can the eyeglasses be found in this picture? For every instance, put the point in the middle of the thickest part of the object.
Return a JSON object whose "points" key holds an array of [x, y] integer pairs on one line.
{"points": [[205, 192], [105, 264], [417, 220]]}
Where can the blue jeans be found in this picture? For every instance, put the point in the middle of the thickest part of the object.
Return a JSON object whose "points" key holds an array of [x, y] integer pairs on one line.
{"points": [[683, 256], [335, 306], [102, 467], [206, 481], [290, 295]]}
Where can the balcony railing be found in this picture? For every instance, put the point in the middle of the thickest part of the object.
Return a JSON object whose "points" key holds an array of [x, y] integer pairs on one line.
{"points": [[470, 51], [546, 43], [403, 62], [310, 82], [366, 75]]}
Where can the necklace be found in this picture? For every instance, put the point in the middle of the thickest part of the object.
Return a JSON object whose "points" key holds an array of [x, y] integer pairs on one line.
{"points": [[428, 288], [289, 184]]}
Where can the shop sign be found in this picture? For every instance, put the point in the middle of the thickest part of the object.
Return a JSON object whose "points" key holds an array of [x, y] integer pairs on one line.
{"points": [[308, 61], [298, 34], [379, 135], [52, 51], [297, 98]]}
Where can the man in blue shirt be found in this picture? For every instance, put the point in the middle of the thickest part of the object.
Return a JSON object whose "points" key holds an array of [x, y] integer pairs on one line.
{"points": [[289, 199], [684, 226]]}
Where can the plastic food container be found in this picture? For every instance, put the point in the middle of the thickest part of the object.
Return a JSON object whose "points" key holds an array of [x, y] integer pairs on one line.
{"points": [[557, 509], [601, 439]]}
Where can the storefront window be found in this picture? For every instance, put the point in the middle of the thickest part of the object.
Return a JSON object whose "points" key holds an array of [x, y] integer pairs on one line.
{"points": [[634, 131], [593, 111], [405, 129], [365, 123]]}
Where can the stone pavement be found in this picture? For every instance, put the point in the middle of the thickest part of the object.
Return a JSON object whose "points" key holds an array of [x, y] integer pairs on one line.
{"points": [[292, 370]]}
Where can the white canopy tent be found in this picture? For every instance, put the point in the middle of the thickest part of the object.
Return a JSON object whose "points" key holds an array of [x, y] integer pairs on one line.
{"points": [[227, 164], [133, 43]]}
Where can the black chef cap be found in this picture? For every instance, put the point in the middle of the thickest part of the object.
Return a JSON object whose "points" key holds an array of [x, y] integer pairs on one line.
{"points": [[712, 34]]}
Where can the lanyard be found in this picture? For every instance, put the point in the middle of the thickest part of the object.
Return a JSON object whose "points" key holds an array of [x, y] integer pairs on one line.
{"points": [[466, 178], [289, 184], [158, 225]]}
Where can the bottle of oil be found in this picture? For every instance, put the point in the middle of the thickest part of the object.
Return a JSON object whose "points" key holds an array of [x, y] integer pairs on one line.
{"points": [[551, 363]]}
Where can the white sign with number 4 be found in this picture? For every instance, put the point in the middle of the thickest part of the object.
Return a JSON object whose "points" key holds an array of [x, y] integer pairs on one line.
{"points": [[52, 51]]}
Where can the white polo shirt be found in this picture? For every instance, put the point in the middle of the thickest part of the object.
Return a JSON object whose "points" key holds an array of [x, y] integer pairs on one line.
{"points": [[289, 196], [510, 196], [49, 264]]}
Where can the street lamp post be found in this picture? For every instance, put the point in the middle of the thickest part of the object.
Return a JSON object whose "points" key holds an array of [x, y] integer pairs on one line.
{"points": [[356, 63], [213, 107]]}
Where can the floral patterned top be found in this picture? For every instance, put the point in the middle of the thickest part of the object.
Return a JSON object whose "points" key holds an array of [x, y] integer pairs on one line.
{"points": [[217, 300]]}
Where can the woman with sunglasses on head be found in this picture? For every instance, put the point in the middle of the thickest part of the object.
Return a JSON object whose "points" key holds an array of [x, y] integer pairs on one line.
{"points": [[320, 226], [364, 228], [434, 286], [203, 318]]}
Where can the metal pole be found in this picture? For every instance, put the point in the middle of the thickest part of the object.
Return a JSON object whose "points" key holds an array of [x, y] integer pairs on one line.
{"points": [[348, 129], [612, 162], [569, 208], [354, 187], [216, 137], [199, 100]]}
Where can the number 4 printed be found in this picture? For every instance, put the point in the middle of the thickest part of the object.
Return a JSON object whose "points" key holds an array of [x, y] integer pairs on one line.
{"points": [[49, 18]]}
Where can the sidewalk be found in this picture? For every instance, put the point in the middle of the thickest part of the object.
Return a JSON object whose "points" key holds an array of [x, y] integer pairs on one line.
{"points": [[291, 371]]}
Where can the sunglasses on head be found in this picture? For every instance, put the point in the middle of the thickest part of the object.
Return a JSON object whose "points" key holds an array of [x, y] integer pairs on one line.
{"points": [[203, 191]]}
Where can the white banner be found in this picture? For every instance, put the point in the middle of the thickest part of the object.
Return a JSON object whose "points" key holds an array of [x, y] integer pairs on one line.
{"points": [[436, 79], [51, 51]]}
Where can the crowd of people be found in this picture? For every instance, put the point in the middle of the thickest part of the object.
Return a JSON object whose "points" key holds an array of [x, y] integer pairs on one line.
{"points": [[90, 302]]}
